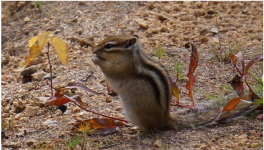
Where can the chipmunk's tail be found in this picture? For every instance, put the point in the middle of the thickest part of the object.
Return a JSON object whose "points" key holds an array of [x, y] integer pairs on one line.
{"points": [[206, 117]]}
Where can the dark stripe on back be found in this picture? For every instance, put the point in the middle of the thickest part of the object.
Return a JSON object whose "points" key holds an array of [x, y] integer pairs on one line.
{"points": [[153, 84], [160, 75]]}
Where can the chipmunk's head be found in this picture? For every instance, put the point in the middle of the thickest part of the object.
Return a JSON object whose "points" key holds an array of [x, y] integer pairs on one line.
{"points": [[114, 54]]}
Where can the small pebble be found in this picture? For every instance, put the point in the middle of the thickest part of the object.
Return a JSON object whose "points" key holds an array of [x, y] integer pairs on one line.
{"points": [[31, 111]]}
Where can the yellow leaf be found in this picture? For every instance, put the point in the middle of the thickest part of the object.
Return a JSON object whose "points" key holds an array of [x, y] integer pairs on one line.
{"points": [[61, 49], [175, 90], [43, 39], [32, 41], [36, 44], [33, 53]]}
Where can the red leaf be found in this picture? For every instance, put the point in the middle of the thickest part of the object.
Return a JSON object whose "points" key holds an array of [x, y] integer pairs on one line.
{"points": [[258, 58], [98, 126], [57, 100], [232, 104], [193, 64], [240, 57], [80, 86], [237, 84]]}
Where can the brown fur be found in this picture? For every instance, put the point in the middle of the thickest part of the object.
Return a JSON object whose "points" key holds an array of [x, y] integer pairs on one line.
{"points": [[144, 87]]}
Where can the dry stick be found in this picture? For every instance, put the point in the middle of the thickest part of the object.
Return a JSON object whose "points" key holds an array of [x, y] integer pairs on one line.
{"points": [[51, 87]]}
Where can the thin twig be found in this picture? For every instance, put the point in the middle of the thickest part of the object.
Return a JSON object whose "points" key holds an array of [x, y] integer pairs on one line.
{"points": [[93, 111], [73, 101], [51, 87]]}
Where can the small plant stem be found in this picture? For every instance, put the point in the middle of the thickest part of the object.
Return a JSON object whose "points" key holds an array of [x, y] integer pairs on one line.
{"points": [[237, 69], [250, 89], [73, 101], [93, 111], [51, 87]]}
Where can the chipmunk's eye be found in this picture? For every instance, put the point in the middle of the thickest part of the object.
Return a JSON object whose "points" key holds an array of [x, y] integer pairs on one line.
{"points": [[108, 46]]}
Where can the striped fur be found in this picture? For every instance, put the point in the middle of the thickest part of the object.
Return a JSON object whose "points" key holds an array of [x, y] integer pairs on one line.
{"points": [[145, 90], [143, 84]]}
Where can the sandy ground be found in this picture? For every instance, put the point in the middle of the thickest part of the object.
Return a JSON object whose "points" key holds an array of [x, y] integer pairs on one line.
{"points": [[237, 26]]}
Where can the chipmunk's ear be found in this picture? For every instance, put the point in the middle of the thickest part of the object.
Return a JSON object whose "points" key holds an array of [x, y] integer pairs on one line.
{"points": [[131, 42]]}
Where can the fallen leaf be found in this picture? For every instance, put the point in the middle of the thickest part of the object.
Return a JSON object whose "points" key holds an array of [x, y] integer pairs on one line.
{"points": [[98, 126]]}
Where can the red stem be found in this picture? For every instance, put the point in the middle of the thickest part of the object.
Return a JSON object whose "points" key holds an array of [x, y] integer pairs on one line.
{"points": [[90, 110], [93, 111], [249, 87], [237, 69]]}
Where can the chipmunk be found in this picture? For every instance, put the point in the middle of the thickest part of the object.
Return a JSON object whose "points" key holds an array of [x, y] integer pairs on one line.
{"points": [[143, 85]]}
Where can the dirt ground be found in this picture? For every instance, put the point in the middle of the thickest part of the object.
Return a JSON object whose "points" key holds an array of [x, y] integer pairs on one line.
{"points": [[217, 28]]}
